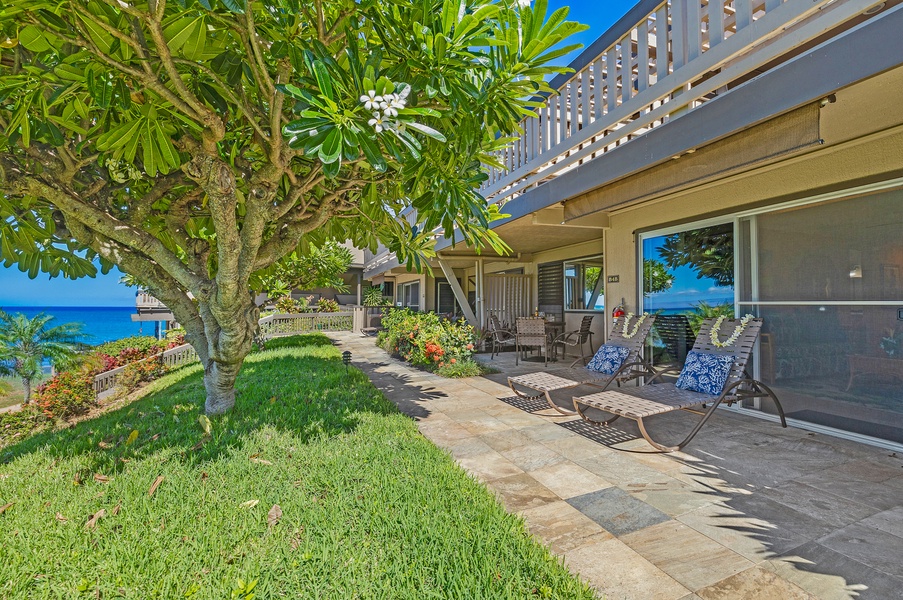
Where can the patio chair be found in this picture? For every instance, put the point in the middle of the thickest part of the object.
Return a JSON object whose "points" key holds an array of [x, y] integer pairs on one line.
{"points": [[632, 366], [531, 333], [658, 398], [575, 339], [498, 336]]}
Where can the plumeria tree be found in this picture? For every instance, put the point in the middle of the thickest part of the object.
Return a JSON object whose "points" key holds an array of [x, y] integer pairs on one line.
{"points": [[25, 343], [196, 143]]}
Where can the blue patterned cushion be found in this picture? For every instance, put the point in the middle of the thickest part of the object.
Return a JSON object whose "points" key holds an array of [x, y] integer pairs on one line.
{"points": [[705, 373], [608, 359]]}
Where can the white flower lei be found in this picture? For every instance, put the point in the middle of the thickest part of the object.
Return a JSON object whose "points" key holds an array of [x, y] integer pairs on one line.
{"points": [[636, 326], [738, 330]]}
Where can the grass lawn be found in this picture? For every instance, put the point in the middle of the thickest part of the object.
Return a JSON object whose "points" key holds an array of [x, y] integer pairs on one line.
{"points": [[313, 487], [11, 391]]}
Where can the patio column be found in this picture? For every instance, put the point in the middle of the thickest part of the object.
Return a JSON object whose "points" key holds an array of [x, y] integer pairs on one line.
{"points": [[460, 296], [481, 293]]}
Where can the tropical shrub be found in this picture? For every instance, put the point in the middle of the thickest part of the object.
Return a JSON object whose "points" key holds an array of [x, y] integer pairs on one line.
{"points": [[327, 305], [465, 368], [286, 305], [142, 343], [137, 373], [66, 394], [19, 424], [427, 340], [373, 296]]}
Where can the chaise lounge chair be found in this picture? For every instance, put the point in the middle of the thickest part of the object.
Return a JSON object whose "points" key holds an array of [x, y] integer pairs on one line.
{"points": [[627, 346], [712, 374]]}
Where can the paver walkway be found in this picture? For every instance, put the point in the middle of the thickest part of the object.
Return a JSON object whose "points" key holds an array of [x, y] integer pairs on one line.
{"points": [[749, 510]]}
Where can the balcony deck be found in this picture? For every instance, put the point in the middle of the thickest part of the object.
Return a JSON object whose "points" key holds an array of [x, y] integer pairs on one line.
{"points": [[662, 60]]}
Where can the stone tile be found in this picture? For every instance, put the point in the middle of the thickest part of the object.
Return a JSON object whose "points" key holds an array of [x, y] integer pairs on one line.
{"points": [[826, 507], [751, 537], [619, 573], [490, 466], [532, 457], [520, 419], [443, 433], [671, 496], [830, 575], [546, 432], [521, 492], [567, 479], [882, 496], [781, 517], [563, 527], [506, 440], [467, 447], [620, 469], [889, 521], [867, 471], [617, 511], [576, 449], [691, 558], [485, 424], [874, 547], [754, 584]]}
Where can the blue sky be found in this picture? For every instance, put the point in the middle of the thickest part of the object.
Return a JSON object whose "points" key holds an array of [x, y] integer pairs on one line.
{"points": [[16, 289]]}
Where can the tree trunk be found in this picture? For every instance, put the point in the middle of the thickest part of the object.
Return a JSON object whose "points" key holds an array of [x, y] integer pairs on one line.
{"points": [[222, 333], [219, 382], [26, 390]]}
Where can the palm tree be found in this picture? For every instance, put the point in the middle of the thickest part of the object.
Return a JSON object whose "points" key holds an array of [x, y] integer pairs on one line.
{"points": [[24, 343]]}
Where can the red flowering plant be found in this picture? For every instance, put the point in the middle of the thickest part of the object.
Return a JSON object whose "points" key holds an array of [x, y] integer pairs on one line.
{"points": [[66, 394], [425, 339]]}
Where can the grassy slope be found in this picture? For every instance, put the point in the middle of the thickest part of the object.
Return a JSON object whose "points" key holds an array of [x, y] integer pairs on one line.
{"points": [[370, 508]]}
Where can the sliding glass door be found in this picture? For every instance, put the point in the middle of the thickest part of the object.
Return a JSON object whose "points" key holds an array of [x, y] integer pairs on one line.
{"points": [[827, 280], [688, 275]]}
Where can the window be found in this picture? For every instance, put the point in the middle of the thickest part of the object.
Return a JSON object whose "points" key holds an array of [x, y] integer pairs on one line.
{"points": [[826, 280], [687, 276], [409, 294], [551, 289], [583, 285], [446, 303]]}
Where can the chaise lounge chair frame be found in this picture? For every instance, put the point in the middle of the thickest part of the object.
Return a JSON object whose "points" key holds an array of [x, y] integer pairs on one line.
{"points": [[658, 398], [633, 367]]}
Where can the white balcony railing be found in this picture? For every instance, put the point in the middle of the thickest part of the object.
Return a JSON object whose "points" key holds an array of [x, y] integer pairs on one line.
{"points": [[673, 59], [144, 301]]}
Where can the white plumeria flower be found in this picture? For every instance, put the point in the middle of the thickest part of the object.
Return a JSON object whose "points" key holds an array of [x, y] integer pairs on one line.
{"points": [[390, 110], [397, 102], [377, 122], [371, 100], [523, 3], [313, 132]]}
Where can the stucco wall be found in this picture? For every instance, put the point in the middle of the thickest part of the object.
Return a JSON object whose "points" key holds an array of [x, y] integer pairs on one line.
{"points": [[862, 160]]}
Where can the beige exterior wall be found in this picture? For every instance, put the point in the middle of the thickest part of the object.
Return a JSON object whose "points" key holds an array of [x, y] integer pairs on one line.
{"points": [[863, 134]]}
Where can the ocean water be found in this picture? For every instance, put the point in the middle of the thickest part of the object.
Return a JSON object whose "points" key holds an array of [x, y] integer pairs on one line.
{"points": [[100, 323]]}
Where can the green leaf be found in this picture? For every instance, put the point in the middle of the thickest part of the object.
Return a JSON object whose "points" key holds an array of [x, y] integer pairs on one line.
{"points": [[34, 39], [332, 147], [323, 80], [372, 153], [426, 130], [236, 6], [167, 149], [196, 44], [179, 32]]}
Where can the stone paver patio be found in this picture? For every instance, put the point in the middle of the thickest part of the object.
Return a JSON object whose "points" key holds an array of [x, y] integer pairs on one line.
{"points": [[748, 510]]}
